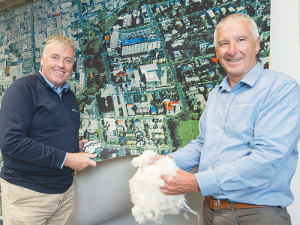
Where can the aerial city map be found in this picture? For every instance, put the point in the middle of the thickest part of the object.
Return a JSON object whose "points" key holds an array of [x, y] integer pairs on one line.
{"points": [[143, 69]]}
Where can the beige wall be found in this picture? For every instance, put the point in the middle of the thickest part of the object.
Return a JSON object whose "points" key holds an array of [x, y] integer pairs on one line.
{"points": [[285, 57]]}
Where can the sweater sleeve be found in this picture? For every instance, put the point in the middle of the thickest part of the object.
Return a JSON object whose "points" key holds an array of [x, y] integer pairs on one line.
{"points": [[15, 126]]}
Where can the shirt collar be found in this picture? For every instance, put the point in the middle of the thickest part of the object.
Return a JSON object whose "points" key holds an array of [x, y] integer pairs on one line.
{"points": [[250, 78], [58, 90]]}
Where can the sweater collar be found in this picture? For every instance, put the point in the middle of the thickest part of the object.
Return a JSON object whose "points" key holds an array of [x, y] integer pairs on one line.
{"points": [[58, 90]]}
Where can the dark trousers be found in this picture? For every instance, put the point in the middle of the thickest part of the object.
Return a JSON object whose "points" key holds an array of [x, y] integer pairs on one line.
{"points": [[254, 216]]}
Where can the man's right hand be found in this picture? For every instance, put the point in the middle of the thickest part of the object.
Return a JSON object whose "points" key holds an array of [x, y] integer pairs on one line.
{"points": [[80, 161]]}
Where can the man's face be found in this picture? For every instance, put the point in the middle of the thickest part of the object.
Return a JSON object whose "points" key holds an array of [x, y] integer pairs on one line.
{"points": [[57, 63], [236, 49]]}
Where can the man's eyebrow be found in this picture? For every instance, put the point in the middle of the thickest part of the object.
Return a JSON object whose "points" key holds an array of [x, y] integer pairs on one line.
{"points": [[222, 40], [242, 36]]}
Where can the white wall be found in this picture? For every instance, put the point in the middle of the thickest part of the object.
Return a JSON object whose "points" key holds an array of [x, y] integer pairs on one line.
{"points": [[285, 57]]}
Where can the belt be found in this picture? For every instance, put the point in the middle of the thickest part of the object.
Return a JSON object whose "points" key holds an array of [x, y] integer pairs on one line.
{"points": [[217, 204]]}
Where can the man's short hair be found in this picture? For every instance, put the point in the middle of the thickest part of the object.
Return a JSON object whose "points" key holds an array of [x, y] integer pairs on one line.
{"points": [[238, 17], [63, 40]]}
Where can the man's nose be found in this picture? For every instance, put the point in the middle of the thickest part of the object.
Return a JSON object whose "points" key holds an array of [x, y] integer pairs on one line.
{"points": [[232, 48], [61, 63]]}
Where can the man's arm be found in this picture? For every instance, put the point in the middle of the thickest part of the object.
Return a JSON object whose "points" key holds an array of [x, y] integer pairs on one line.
{"points": [[276, 137], [15, 122]]}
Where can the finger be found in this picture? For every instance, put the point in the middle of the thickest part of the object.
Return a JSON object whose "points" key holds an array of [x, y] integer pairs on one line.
{"points": [[93, 163], [82, 142], [167, 191], [168, 179], [164, 191], [91, 156]]}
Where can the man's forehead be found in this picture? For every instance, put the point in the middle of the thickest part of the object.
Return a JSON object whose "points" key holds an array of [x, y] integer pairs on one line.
{"points": [[240, 27], [231, 23], [56, 47]]}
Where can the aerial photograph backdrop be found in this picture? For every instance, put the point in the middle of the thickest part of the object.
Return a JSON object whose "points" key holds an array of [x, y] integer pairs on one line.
{"points": [[143, 69]]}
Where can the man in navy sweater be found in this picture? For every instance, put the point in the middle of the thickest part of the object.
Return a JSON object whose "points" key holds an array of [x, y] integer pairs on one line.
{"points": [[39, 125]]}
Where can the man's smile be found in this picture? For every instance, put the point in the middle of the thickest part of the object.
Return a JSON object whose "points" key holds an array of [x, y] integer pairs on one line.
{"points": [[233, 60]]}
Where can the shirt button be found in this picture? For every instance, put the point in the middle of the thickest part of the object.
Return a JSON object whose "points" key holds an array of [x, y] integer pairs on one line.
{"points": [[209, 168]]}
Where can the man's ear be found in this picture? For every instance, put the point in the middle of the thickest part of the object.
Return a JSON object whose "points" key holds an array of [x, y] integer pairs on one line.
{"points": [[257, 44], [42, 59], [216, 54]]}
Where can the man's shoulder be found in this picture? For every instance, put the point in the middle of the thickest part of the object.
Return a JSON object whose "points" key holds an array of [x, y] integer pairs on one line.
{"points": [[276, 76], [273, 80], [26, 80], [26, 84]]}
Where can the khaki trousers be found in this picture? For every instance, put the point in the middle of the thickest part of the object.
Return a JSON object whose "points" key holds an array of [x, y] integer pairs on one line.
{"points": [[22, 206]]}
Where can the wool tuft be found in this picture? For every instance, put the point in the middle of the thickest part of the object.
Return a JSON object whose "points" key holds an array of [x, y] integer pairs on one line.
{"points": [[149, 204]]}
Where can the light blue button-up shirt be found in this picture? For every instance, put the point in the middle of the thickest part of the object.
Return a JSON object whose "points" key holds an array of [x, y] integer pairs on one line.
{"points": [[246, 149]]}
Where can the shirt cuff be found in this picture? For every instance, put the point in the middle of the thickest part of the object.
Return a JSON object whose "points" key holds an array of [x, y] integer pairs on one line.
{"points": [[179, 161], [63, 163], [207, 182]]}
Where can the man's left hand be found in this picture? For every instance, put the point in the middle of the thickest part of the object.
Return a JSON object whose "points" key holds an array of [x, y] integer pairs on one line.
{"points": [[182, 183]]}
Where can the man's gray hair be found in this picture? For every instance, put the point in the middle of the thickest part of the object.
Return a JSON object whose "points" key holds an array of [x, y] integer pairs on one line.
{"points": [[238, 17]]}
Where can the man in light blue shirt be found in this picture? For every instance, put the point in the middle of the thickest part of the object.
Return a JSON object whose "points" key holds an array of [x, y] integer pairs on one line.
{"points": [[246, 149]]}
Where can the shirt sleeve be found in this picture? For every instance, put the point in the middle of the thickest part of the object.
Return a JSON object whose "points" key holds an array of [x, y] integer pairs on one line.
{"points": [[188, 157]]}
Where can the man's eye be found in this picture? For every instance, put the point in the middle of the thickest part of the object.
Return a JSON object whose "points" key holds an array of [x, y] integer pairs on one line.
{"points": [[223, 44], [241, 39], [54, 57], [68, 60]]}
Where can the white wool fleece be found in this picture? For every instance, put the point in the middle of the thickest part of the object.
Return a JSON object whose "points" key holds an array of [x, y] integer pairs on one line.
{"points": [[149, 204]]}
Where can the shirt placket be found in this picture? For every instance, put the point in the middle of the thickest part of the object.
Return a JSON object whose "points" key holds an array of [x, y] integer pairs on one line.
{"points": [[220, 132]]}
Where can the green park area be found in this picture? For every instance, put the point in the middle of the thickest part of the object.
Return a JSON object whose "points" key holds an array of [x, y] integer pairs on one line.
{"points": [[188, 130]]}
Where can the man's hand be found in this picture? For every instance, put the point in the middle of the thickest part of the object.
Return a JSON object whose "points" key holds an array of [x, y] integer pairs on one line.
{"points": [[182, 183], [80, 161]]}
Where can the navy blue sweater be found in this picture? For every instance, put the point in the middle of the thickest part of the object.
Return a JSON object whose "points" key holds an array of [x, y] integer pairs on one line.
{"points": [[37, 128]]}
